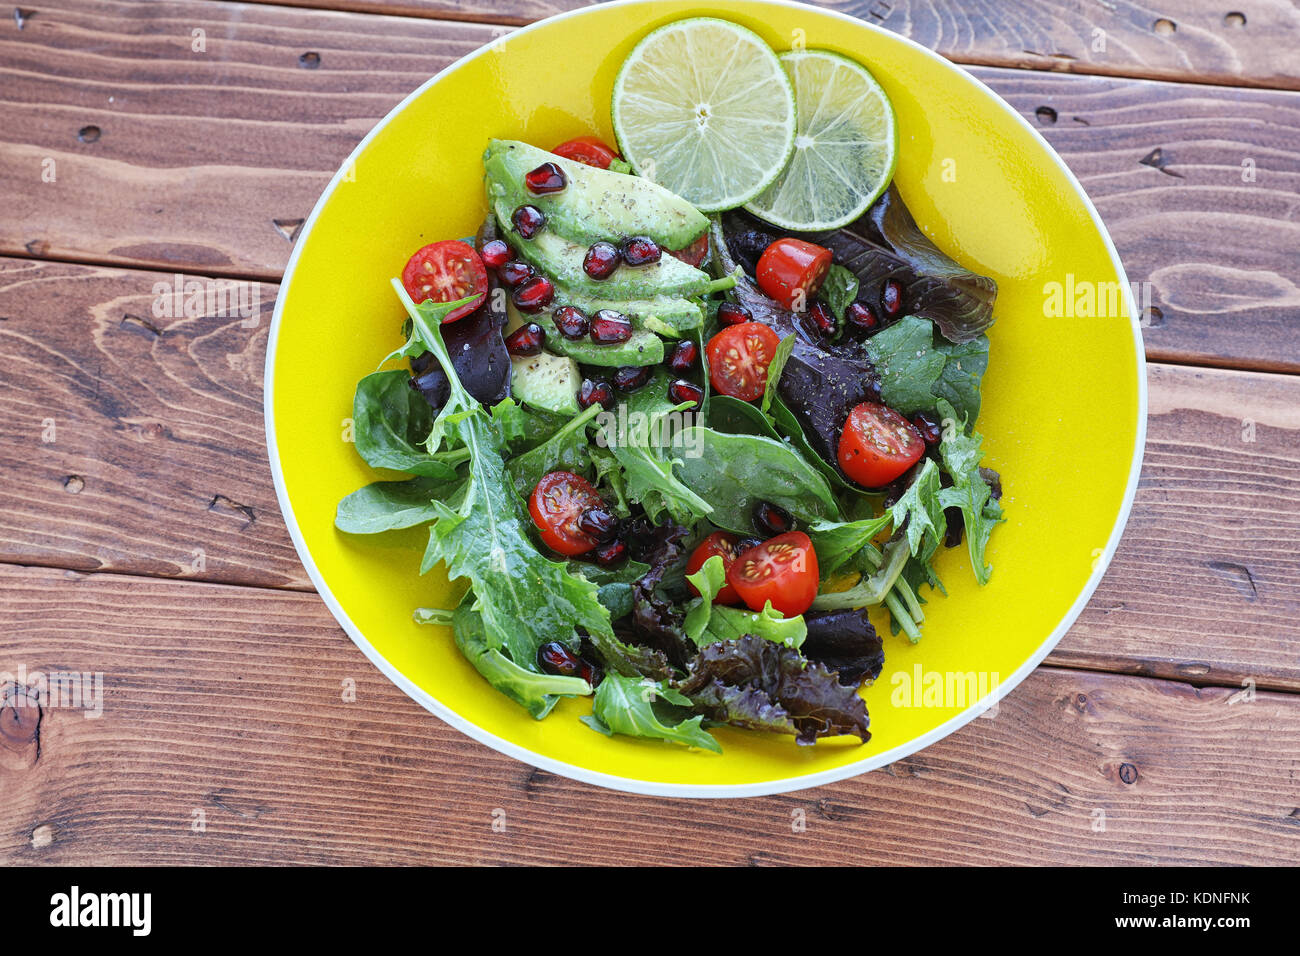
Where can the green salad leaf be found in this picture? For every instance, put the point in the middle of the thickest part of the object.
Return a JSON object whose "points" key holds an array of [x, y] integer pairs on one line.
{"points": [[838, 290], [981, 513], [390, 421], [640, 708], [918, 368], [566, 450], [782, 355], [707, 622], [389, 505]]}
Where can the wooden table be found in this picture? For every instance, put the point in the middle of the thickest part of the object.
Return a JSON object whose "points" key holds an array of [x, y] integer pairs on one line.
{"points": [[140, 538]]}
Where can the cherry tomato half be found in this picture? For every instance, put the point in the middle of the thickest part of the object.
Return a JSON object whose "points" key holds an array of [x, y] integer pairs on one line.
{"points": [[782, 570], [723, 544], [444, 272], [791, 271], [587, 150], [739, 356], [695, 253], [878, 444], [556, 504]]}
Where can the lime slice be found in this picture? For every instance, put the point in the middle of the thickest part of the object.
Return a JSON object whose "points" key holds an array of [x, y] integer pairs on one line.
{"points": [[845, 149], [703, 107]]}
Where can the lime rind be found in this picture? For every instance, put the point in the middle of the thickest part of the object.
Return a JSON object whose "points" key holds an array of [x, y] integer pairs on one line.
{"points": [[846, 146], [727, 153]]}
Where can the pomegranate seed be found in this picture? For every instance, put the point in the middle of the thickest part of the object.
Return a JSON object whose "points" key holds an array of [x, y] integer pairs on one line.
{"points": [[599, 525], [744, 544], [682, 361], [556, 658], [823, 318], [610, 327], [595, 393], [891, 299], [729, 313], [929, 428], [631, 377], [611, 554], [683, 391], [526, 340], [771, 520], [640, 251], [528, 220], [601, 260], [515, 272], [494, 253], [591, 673], [546, 178], [572, 322], [862, 315], [534, 295]]}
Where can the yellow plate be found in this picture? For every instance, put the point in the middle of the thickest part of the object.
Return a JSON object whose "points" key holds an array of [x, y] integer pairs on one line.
{"points": [[1064, 398]]}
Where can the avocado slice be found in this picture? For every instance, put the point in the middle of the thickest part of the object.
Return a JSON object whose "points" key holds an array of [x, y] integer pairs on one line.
{"points": [[643, 348], [666, 315], [561, 259], [546, 381], [595, 203]]}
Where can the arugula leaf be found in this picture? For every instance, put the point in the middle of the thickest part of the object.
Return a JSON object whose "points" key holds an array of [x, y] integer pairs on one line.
{"points": [[390, 421], [779, 358], [735, 472], [706, 623], [839, 290], [918, 369], [961, 455], [566, 450], [839, 542], [389, 505], [434, 312], [609, 473], [627, 705], [537, 693], [524, 598], [649, 479], [874, 587]]}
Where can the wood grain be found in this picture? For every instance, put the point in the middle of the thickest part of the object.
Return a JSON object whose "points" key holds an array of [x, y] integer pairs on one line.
{"points": [[1202, 41], [250, 136], [159, 455], [229, 701]]}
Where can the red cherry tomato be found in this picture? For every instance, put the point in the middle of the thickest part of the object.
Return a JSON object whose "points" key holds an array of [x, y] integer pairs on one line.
{"points": [[738, 359], [444, 272], [587, 150], [556, 504], [782, 570], [791, 271], [878, 444], [695, 253], [723, 544]]}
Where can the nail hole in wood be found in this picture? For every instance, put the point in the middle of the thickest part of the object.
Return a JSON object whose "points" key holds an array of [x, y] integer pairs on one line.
{"points": [[1046, 115], [1234, 19], [1152, 317], [309, 61], [21, 16], [88, 134], [1164, 27], [73, 484]]}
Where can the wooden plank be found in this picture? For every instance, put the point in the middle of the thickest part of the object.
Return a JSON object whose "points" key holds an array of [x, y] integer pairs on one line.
{"points": [[223, 707], [252, 137], [1199, 41], [159, 452]]}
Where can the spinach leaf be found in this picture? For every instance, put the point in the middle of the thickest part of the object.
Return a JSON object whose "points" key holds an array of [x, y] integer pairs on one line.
{"points": [[706, 623], [389, 505], [628, 705], [566, 450], [839, 290], [789, 428], [918, 369], [390, 421], [732, 473], [536, 692], [525, 600]]}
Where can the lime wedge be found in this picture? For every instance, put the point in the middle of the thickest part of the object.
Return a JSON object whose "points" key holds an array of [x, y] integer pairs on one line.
{"points": [[845, 149], [703, 107]]}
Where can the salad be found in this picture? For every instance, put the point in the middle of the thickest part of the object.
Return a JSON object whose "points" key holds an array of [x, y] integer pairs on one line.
{"points": [[689, 406]]}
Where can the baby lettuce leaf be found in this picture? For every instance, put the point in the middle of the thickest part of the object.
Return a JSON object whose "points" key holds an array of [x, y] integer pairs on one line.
{"points": [[841, 543], [781, 356], [656, 621], [388, 505], [732, 473], [649, 479], [961, 454], [847, 643], [566, 450], [817, 704], [839, 290], [524, 599], [918, 369], [390, 421], [707, 622], [886, 243], [640, 708], [535, 692]]}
